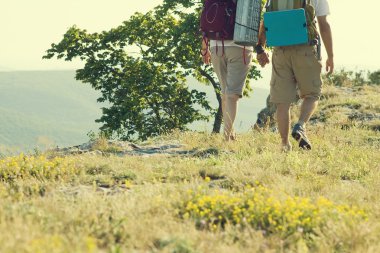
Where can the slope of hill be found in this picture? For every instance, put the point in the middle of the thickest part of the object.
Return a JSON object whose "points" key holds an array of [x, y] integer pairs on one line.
{"points": [[193, 192], [45, 108]]}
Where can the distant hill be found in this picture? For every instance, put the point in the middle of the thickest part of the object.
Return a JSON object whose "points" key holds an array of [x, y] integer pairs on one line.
{"points": [[45, 109]]}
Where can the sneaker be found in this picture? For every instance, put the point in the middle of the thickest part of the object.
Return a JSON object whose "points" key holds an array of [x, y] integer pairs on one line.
{"points": [[299, 134]]}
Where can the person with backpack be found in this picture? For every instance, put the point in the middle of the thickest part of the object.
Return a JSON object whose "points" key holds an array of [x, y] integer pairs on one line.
{"points": [[297, 68], [231, 62]]}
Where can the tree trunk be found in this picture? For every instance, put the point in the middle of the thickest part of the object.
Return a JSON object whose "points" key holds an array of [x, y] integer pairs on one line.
{"points": [[219, 115]]}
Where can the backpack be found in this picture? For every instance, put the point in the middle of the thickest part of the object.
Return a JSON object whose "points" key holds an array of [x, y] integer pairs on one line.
{"points": [[313, 36], [218, 19]]}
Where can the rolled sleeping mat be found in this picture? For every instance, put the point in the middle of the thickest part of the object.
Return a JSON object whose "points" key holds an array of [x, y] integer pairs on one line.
{"points": [[247, 22]]}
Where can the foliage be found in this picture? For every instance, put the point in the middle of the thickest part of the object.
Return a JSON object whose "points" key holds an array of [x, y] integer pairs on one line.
{"points": [[147, 98], [374, 77]]}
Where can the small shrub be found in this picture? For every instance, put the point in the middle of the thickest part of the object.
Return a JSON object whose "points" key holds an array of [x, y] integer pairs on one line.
{"points": [[339, 78], [41, 168], [358, 78], [212, 174], [374, 77], [259, 208], [123, 176], [346, 78]]}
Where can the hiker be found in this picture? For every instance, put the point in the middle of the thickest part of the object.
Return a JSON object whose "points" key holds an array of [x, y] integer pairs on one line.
{"points": [[231, 63], [297, 69]]}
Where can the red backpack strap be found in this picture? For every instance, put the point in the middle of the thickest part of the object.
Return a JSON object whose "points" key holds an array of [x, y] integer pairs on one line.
{"points": [[217, 47]]}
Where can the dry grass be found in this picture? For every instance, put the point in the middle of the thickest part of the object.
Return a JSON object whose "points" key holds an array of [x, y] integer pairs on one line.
{"points": [[133, 203]]}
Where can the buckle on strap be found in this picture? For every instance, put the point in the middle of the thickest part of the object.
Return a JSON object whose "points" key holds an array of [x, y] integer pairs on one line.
{"points": [[314, 42]]}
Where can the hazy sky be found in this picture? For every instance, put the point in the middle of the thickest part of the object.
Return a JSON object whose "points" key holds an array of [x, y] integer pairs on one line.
{"points": [[29, 28]]}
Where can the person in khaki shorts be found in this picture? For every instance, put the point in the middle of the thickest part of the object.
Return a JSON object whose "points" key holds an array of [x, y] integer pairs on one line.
{"points": [[298, 69], [231, 64]]}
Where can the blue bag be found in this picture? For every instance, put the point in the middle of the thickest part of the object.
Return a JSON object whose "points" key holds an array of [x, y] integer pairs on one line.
{"points": [[286, 28]]}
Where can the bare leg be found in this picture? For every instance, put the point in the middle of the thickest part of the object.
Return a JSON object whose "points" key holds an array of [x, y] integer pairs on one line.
{"points": [[307, 109], [229, 115], [299, 132], [283, 121], [225, 119]]}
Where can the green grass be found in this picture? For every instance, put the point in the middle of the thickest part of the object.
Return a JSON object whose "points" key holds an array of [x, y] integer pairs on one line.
{"points": [[90, 203]]}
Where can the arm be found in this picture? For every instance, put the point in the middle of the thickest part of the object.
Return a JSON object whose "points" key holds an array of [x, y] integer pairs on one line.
{"points": [[206, 55], [262, 37], [262, 57], [325, 29]]}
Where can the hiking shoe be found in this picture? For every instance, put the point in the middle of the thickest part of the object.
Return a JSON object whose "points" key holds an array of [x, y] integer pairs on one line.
{"points": [[299, 134]]}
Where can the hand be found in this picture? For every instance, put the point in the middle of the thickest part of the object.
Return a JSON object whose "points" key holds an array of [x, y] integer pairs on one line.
{"points": [[329, 66], [206, 56], [263, 59]]}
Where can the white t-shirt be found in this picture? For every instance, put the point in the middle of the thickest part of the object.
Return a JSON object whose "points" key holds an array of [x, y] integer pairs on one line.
{"points": [[228, 43], [322, 7]]}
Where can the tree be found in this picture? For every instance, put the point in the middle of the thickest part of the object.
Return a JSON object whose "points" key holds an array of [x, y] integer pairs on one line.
{"points": [[146, 90], [146, 99]]}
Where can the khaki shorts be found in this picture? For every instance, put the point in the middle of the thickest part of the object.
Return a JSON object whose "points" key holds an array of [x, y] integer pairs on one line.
{"points": [[230, 68], [295, 69]]}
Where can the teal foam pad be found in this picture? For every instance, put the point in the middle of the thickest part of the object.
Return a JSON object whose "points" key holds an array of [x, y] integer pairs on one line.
{"points": [[285, 28]]}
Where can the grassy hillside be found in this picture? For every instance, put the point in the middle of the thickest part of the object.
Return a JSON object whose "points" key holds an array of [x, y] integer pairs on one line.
{"points": [[43, 109], [208, 196]]}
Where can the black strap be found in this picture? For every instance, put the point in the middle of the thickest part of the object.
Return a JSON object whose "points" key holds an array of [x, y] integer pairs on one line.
{"points": [[267, 5], [247, 27]]}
